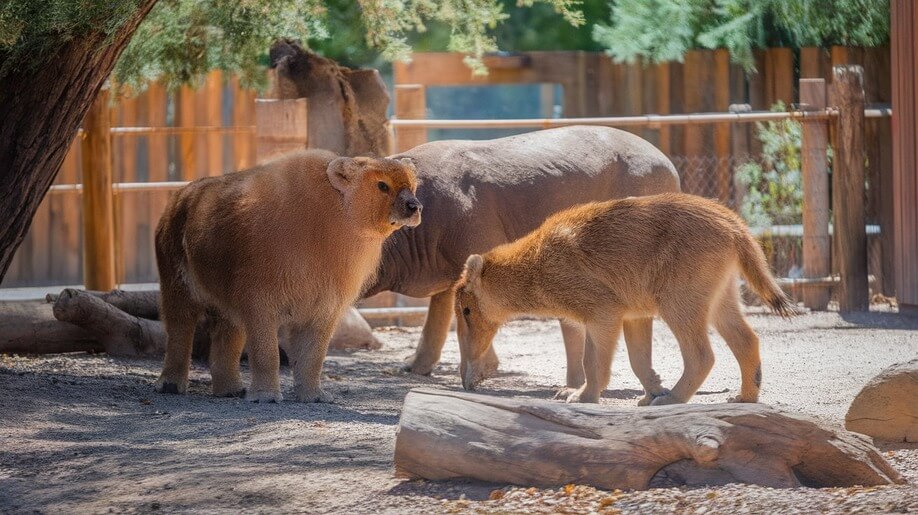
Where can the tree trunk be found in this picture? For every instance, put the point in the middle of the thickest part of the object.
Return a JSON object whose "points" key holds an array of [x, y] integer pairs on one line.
{"points": [[446, 435], [43, 104]]}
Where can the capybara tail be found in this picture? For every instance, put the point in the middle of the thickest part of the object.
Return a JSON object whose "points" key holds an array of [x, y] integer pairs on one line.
{"points": [[755, 269]]}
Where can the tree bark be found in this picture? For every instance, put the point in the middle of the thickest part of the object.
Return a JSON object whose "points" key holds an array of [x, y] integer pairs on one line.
{"points": [[43, 104], [124, 323], [30, 328], [447, 435]]}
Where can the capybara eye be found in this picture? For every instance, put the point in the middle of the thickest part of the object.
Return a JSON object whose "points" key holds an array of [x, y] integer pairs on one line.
{"points": [[383, 187], [466, 311]]}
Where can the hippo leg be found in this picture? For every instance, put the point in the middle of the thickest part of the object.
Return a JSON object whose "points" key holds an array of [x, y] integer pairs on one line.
{"points": [[574, 335], [436, 327]]}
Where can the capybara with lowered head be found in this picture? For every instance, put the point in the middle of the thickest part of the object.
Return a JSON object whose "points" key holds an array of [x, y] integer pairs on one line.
{"points": [[287, 244], [673, 255]]}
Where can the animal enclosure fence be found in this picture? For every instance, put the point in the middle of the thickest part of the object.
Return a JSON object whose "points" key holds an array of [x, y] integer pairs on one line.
{"points": [[159, 140]]}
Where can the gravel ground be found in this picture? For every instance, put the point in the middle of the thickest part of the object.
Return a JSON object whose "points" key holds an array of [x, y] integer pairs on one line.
{"points": [[86, 433]]}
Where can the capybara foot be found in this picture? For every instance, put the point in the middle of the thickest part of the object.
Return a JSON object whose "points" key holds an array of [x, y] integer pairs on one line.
{"points": [[565, 392], [414, 365], [742, 398], [649, 397], [663, 400], [313, 395], [582, 395], [164, 385], [263, 396]]}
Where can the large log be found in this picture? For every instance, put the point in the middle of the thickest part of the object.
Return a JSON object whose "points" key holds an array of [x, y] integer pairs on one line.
{"points": [[123, 323], [449, 435], [30, 328]]}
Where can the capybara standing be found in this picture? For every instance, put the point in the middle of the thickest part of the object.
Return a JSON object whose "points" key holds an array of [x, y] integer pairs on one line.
{"points": [[603, 263], [290, 243]]}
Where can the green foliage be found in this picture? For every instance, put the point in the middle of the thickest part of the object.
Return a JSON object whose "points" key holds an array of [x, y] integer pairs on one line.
{"points": [[663, 30], [774, 186], [180, 40], [32, 31]]}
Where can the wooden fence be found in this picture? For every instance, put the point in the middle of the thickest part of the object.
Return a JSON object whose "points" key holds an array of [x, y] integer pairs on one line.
{"points": [[153, 138], [157, 137]]}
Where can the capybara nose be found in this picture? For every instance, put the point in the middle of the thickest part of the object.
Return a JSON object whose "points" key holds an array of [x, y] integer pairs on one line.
{"points": [[412, 206]]}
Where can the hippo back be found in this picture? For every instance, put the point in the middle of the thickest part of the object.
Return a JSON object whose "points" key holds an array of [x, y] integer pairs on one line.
{"points": [[479, 194]]}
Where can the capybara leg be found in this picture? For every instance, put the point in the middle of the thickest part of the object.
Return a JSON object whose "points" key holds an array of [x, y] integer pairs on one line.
{"points": [[744, 343], [264, 362], [574, 335], [180, 320], [433, 336], [639, 341], [691, 331], [227, 342], [601, 340], [309, 347]]}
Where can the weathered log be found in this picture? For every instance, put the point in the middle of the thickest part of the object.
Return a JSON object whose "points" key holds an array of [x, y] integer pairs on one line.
{"points": [[143, 304], [447, 435], [125, 323], [30, 328], [120, 333], [887, 407]]}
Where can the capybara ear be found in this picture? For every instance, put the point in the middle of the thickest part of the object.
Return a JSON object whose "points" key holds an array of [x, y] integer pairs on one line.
{"points": [[473, 266], [344, 172], [408, 162]]}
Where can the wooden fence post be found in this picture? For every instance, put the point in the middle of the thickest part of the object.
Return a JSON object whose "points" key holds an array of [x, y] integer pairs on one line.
{"points": [[98, 213], [280, 127], [850, 237], [410, 104], [817, 260]]}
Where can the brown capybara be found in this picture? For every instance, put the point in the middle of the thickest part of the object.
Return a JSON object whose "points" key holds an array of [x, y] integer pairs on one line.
{"points": [[604, 263], [288, 244]]}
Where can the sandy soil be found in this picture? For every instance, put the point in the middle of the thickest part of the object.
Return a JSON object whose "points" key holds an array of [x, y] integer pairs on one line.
{"points": [[86, 433]]}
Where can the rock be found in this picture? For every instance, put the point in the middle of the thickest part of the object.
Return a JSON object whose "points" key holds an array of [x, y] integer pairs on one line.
{"points": [[353, 332], [887, 407]]}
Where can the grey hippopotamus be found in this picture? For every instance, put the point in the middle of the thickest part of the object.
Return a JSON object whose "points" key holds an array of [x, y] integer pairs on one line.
{"points": [[479, 194]]}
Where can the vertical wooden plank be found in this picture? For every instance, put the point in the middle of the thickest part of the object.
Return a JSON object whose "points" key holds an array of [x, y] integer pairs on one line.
{"points": [[850, 238], [98, 216], [721, 87], [126, 205], [698, 97], [904, 41], [816, 250], [188, 148], [282, 126], [158, 167], [663, 96], [780, 76], [243, 116], [758, 96], [411, 104], [213, 88]]}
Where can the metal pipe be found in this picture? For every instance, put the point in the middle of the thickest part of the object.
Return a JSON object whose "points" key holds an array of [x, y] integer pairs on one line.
{"points": [[650, 120]]}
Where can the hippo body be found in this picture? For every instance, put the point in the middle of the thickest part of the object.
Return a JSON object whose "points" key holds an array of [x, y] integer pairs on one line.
{"points": [[479, 194]]}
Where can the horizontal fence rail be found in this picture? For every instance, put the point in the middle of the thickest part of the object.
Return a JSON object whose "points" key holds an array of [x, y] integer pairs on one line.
{"points": [[650, 121]]}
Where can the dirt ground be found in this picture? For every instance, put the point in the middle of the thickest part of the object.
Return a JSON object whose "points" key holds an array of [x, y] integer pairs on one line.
{"points": [[86, 433]]}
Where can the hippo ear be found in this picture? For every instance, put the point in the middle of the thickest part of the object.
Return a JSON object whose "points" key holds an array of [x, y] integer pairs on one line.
{"points": [[473, 266], [344, 172]]}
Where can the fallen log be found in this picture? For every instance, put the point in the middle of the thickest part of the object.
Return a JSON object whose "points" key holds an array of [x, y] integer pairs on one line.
{"points": [[125, 323], [450, 435], [143, 304], [120, 333], [30, 328]]}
